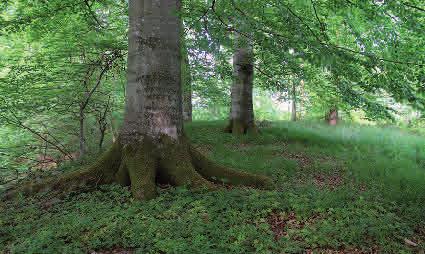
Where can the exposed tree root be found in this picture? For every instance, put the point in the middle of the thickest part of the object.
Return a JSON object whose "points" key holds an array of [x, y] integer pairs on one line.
{"points": [[239, 127], [220, 174], [100, 172], [141, 166]]}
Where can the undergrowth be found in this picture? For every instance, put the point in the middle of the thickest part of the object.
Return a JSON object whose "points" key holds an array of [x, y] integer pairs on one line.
{"points": [[346, 188]]}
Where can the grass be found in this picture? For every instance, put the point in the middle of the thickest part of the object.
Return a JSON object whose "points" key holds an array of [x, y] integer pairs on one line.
{"points": [[346, 188]]}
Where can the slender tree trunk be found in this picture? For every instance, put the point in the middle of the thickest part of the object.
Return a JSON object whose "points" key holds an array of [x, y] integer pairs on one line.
{"points": [[332, 116], [301, 100], [242, 110], [82, 137], [152, 147], [294, 103], [112, 127], [102, 138], [103, 125]]}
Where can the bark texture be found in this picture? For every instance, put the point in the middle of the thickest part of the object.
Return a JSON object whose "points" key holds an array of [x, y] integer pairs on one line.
{"points": [[242, 110], [187, 86], [152, 147], [153, 94]]}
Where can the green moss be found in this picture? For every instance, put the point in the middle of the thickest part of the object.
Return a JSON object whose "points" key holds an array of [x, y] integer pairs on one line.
{"points": [[122, 177], [229, 127], [382, 191], [142, 165], [107, 165], [221, 174], [101, 172], [237, 126], [252, 129], [176, 164]]}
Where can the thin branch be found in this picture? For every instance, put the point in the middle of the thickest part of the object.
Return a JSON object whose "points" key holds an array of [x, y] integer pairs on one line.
{"points": [[92, 13], [270, 77], [19, 123], [322, 26], [413, 6], [341, 48], [99, 80]]}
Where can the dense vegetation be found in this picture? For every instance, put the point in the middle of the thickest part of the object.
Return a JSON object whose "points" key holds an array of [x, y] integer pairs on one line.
{"points": [[353, 189], [326, 99]]}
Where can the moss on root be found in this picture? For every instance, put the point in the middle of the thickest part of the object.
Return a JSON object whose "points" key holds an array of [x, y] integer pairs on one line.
{"points": [[100, 172], [239, 127], [144, 164], [176, 165], [220, 174]]}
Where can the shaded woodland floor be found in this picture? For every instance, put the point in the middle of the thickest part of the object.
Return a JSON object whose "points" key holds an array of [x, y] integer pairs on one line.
{"points": [[345, 189]]}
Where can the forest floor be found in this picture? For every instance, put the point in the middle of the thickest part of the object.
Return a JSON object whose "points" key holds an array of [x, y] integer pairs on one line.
{"points": [[345, 189]]}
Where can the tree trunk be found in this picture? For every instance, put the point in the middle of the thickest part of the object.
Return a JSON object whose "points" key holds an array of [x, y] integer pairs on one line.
{"points": [[101, 138], [294, 103], [82, 137], [152, 147], [332, 116], [242, 110], [112, 127], [187, 86], [301, 100]]}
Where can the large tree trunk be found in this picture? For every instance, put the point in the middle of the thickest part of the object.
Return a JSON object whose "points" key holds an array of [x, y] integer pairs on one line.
{"points": [[152, 147], [242, 110], [187, 86]]}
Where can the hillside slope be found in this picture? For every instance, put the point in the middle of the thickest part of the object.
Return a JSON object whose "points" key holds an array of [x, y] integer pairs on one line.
{"points": [[338, 189]]}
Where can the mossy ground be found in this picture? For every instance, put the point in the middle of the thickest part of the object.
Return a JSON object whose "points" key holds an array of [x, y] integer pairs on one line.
{"points": [[343, 188]]}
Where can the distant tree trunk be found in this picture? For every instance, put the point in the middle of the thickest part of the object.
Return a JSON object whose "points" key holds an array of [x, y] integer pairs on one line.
{"points": [[101, 115], [152, 147], [112, 126], [242, 110], [332, 116], [101, 139], [82, 137], [103, 125], [294, 103], [113, 132], [301, 100], [87, 97], [187, 86]]}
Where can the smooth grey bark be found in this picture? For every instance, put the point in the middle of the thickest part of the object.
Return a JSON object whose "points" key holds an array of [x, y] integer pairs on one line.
{"points": [[153, 93], [187, 87], [242, 110]]}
